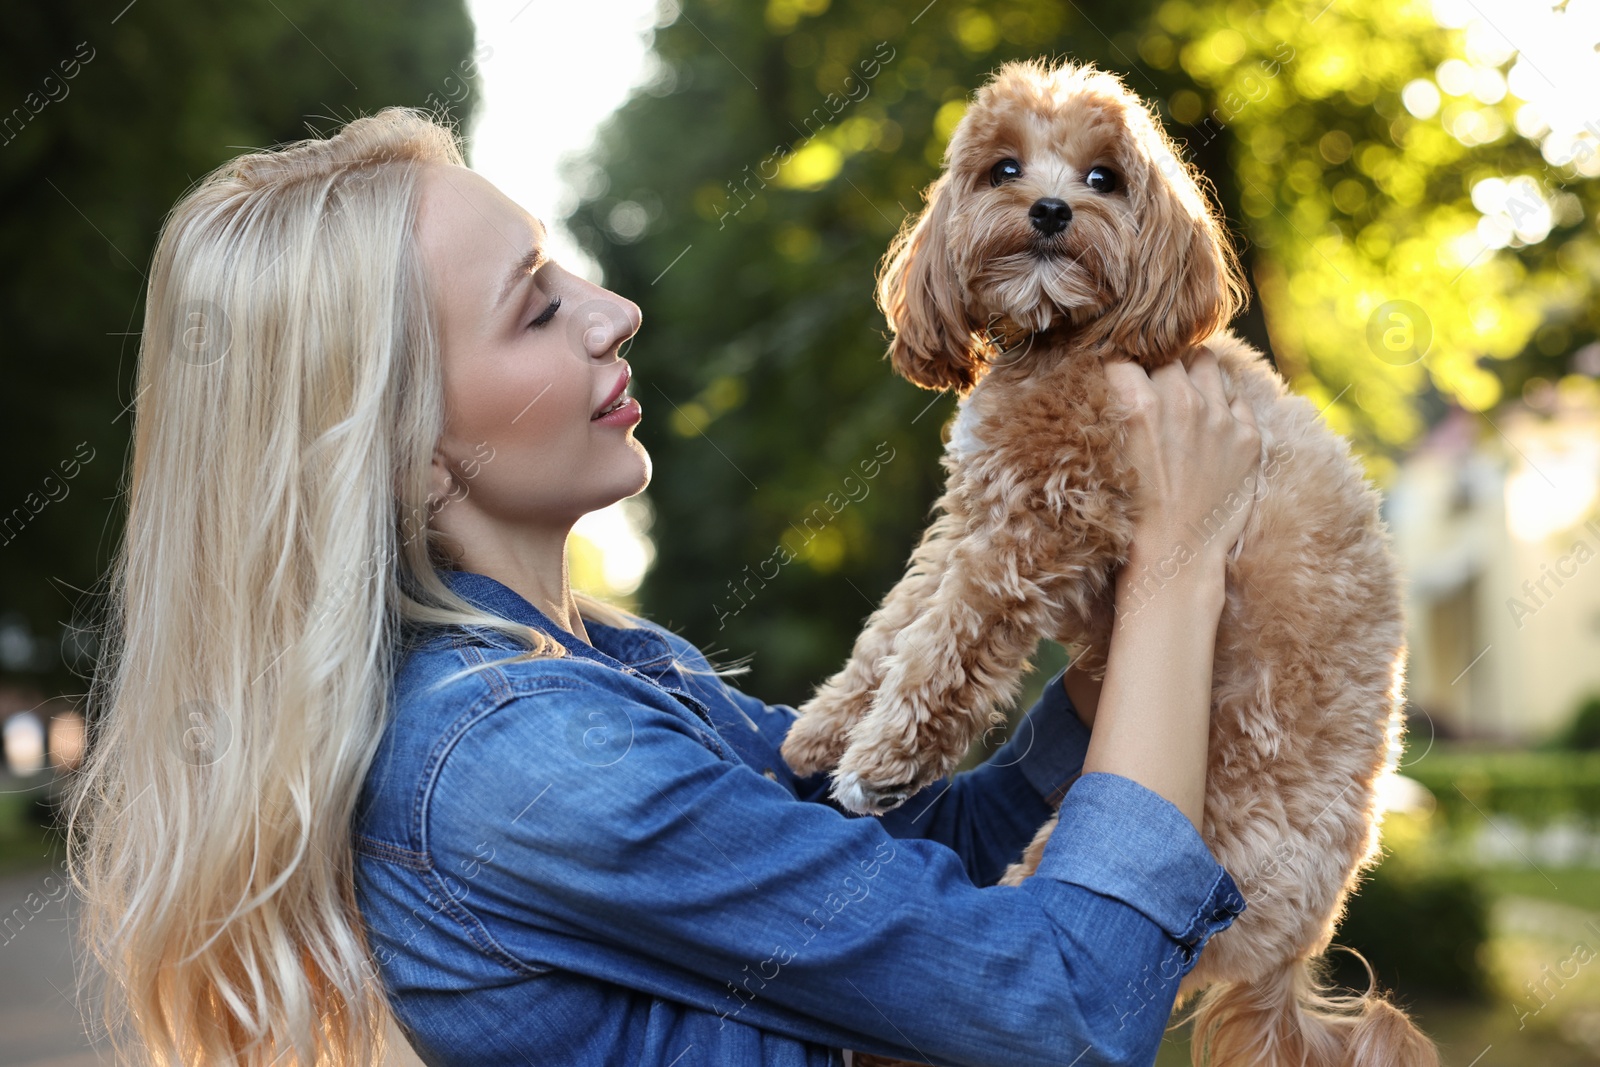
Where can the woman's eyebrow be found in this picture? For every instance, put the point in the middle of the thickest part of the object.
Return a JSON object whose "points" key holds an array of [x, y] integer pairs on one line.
{"points": [[531, 261]]}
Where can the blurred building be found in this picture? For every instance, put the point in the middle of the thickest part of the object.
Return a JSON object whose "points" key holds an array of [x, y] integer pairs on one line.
{"points": [[1497, 530], [37, 734]]}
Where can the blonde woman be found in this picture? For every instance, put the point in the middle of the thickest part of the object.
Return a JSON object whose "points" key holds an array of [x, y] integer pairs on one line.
{"points": [[360, 749]]}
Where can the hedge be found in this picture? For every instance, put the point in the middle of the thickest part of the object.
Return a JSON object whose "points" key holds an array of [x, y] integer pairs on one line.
{"points": [[1533, 787]]}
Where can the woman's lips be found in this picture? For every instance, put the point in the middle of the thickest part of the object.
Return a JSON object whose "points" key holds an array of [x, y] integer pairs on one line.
{"points": [[616, 390], [625, 415]]}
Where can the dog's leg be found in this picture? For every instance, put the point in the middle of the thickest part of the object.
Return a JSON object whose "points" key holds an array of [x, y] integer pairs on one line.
{"points": [[1029, 862], [819, 737], [953, 667]]}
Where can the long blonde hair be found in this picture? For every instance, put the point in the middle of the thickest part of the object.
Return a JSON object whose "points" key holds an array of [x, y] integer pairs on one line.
{"points": [[277, 556]]}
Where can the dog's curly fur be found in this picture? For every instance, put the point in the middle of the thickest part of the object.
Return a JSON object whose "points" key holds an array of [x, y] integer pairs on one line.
{"points": [[1035, 521]]}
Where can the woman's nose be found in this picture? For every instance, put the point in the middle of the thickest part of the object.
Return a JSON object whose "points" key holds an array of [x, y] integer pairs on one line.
{"points": [[603, 322]]}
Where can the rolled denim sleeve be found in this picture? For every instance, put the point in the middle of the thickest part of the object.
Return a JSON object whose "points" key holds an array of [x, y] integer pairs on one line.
{"points": [[663, 866], [1119, 841]]}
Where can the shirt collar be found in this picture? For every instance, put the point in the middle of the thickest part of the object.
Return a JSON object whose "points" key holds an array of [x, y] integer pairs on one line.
{"points": [[639, 648]]}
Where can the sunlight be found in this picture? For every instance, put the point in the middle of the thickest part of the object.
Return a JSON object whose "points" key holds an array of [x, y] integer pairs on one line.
{"points": [[1554, 69], [617, 534], [549, 77], [1556, 484]]}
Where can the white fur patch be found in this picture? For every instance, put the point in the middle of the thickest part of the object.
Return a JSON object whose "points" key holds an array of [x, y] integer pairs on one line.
{"points": [[848, 792], [964, 439], [855, 795]]}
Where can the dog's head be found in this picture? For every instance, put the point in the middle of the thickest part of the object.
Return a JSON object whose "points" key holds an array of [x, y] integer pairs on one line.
{"points": [[1063, 206]]}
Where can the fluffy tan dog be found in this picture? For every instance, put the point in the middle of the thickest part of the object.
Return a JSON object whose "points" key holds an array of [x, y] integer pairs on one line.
{"points": [[1065, 231]]}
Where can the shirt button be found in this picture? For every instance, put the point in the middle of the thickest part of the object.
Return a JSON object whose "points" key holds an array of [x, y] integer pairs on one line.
{"points": [[769, 774]]}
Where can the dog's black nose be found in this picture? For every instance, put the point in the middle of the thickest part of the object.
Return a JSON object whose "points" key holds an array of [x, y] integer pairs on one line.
{"points": [[1050, 215]]}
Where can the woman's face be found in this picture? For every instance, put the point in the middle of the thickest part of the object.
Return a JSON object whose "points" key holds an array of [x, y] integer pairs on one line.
{"points": [[530, 358]]}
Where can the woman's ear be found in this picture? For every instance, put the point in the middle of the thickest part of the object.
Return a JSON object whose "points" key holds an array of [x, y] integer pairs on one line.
{"points": [[933, 343], [1183, 282], [443, 485]]}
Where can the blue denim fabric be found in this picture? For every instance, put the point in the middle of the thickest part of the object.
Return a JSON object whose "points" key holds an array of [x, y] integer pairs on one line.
{"points": [[603, 859]]}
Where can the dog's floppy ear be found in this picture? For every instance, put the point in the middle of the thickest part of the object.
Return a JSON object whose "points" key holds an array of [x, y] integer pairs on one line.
{"points": [[1184, 281], [933, 343]]}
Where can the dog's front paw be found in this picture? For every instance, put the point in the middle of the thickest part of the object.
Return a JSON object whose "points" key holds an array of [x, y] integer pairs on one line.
{"points": [[895, 751], [864, 798], [815, 741], [872, 779]]}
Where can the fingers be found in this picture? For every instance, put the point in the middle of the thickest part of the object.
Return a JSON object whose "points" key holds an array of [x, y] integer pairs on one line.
{"points": [[1174, 383], [1130, 385], [1243, 412], [1125, 374], [1137, 389], [1205, 374], [1192, 353]]}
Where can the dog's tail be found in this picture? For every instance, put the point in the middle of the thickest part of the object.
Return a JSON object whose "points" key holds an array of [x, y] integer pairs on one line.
{"points": [[1290, 1018]]}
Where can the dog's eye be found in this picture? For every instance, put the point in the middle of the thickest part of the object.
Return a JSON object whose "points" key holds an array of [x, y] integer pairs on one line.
{"points": [[1004, 171], [1102, 179]]}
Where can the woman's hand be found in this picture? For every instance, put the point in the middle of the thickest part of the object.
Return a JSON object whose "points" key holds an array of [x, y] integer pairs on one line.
{"points": [[1196, 456]]}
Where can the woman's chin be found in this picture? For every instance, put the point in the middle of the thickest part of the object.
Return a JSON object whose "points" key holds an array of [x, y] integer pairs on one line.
{"points": [[646, 467], [639, 478]]}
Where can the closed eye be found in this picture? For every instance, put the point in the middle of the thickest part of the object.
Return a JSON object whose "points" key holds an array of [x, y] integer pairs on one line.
{"points": [[547, 314]]}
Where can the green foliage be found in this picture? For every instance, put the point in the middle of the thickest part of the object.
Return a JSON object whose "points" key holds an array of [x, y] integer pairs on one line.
{"points": [[1354, 201], [1576, 887], [1422, 930], [1583, 732], [1534, 787], [29, 836], [109, 118]]}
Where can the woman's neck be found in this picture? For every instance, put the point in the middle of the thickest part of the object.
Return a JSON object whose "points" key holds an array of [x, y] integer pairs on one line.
{"points": [[531, 561]]}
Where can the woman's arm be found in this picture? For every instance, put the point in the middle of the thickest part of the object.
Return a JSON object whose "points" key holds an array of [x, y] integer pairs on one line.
{"points": [[1193, 452], [988, 815], [1153, 720], [681, 872]]}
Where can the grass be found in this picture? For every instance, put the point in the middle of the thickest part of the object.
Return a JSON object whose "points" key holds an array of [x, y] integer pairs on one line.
{"points": [[1576, 887], [1468, 1035]]}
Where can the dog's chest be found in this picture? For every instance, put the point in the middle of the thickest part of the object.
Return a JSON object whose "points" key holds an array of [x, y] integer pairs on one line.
{"points": [[1054, 414], [964, 440]]}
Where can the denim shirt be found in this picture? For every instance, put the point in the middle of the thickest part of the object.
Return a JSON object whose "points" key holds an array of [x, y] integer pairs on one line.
{"points": [[603, 859]]}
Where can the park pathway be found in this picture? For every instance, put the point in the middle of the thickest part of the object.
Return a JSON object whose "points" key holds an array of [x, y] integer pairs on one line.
{"points": [[40, 1021]]}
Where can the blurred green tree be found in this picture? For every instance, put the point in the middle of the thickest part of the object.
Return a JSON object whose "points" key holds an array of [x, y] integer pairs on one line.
{"points": [[1418, 181], [113, 112]]}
